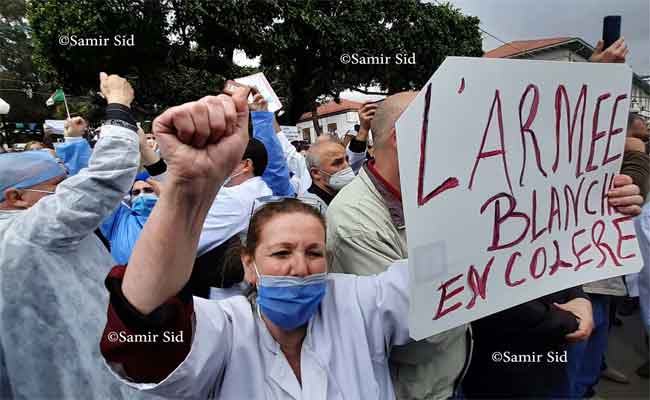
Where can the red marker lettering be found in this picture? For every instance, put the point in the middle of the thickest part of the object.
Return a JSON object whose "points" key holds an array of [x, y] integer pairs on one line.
{"points": [[447, 296]]}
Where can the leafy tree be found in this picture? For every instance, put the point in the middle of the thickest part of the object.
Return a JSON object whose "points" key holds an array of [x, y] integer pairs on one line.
{"points": [[20, 85], [184, 48], [305, 45]]}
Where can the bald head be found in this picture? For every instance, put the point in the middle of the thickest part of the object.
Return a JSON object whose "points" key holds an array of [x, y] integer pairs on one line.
{"points": [[387, 114]]}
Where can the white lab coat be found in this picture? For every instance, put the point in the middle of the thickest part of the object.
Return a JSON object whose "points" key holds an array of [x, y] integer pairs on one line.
{"points": [[344, 354], [230, 212]]}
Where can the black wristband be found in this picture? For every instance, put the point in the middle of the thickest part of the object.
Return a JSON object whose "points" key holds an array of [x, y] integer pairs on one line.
{"points": [[157, 168], [357, 146], [120, 112]]}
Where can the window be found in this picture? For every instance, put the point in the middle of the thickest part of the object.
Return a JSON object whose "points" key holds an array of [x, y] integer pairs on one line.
{"points": [[331, 128], [306, 135]]}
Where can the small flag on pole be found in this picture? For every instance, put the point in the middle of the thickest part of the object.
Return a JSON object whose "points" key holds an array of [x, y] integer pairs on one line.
{"points": [[57, 96]]}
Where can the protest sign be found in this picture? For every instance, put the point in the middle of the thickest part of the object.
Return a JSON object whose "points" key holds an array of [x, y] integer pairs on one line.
{"points": [[264, 87], [291, 132], [504, 168], [56, 126]]}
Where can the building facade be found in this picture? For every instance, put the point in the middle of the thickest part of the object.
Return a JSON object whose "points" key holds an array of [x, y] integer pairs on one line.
{"points": [[334, 118], [574, 50]]}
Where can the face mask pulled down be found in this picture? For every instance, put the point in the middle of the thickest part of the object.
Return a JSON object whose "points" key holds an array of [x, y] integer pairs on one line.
{"points": [[289, 301]]}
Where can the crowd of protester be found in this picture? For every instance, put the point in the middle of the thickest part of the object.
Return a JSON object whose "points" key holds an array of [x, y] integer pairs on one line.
{"points": [[236, 265]]}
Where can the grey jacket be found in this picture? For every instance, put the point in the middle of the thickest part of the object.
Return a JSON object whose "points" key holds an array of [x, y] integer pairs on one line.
{"points": [[52, 268], [365, 234]]}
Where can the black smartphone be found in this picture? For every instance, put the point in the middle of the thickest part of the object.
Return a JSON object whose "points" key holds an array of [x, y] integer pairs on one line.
{"points": [[611, 30]]}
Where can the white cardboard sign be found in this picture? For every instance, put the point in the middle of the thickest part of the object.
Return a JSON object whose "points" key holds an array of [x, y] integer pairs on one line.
{"points": [[262, 84], [504, 167]]}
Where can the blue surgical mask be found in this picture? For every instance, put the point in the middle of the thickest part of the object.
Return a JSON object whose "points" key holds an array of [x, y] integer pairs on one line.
{"points": [[144, 203], [289, 301]]}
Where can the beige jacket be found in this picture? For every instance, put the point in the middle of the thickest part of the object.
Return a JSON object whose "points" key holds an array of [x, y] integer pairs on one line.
{"points": [[365, 234]]}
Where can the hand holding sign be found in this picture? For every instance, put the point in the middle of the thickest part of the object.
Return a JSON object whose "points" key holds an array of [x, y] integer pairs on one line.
{"points": [[530, 151], [625, 196], [581, 308]]}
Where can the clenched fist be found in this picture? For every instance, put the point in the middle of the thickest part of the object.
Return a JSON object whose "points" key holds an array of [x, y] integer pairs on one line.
{"points": [[202, 141], [74, 127], [115, 89]]}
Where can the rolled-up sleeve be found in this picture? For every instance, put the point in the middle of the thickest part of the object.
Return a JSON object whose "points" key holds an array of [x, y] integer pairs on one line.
{"points": [[178, 351]]}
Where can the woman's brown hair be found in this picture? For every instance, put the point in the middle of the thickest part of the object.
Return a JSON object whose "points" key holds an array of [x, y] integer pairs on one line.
{"points": [[232, 264], [274, 208]]}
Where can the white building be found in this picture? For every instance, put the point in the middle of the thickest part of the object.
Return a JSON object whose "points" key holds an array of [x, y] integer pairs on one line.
{"points": [[569, 49], [333, 117]]}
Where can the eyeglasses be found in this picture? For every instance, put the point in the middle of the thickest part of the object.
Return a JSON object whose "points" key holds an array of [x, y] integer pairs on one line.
{"points": [[259, 202], [136, 192], [39, 191]]}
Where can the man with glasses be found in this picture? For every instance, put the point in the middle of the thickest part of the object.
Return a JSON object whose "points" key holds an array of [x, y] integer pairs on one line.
{"points": [[52, 266]]}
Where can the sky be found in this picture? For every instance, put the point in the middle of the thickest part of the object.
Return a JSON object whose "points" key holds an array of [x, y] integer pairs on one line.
{"points": [[511, 20]]}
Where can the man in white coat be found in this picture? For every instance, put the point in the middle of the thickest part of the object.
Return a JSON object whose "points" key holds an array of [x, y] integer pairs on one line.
{"points": [[52, 265]]}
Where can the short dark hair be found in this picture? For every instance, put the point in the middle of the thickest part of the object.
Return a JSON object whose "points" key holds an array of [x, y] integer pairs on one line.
{"points": [[256, 152]]}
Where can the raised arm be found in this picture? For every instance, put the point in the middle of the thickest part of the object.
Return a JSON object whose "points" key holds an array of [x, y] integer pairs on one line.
{"points": [[75, 152], [276, 174], [82, 201], [202, 142]]}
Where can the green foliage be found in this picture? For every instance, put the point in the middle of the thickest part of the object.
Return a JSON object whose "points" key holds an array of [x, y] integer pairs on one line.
{"points": [[184, 48], [307, 41]]}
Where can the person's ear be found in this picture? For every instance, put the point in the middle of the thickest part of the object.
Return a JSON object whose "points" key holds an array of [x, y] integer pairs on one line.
{"points": [[315, 173], [14, 198], [248, 164], [249, 271]]}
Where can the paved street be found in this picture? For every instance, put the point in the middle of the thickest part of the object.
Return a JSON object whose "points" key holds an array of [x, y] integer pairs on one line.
{"points": [[626, 352]]}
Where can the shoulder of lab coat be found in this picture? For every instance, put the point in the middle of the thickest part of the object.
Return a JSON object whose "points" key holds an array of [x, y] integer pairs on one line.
{"points": [[230, 212], [82, 201], [351, 335]]}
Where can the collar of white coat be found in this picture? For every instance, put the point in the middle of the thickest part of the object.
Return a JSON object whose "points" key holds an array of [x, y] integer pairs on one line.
{"points": [[270, 343], [313, 368], [255, 184]]}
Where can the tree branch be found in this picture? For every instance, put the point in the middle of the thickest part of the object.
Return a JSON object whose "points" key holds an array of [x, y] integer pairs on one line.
{"points": [[369, 91]]}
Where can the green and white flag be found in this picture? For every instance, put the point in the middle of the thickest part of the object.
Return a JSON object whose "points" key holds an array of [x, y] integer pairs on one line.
{"points": [[57, 96]]}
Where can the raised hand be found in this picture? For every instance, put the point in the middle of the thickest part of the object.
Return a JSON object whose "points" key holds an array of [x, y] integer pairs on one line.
{"points": [[115, 89], [203, 141], [366, 114], [613, 54], [74, 127], [259, 103]]}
